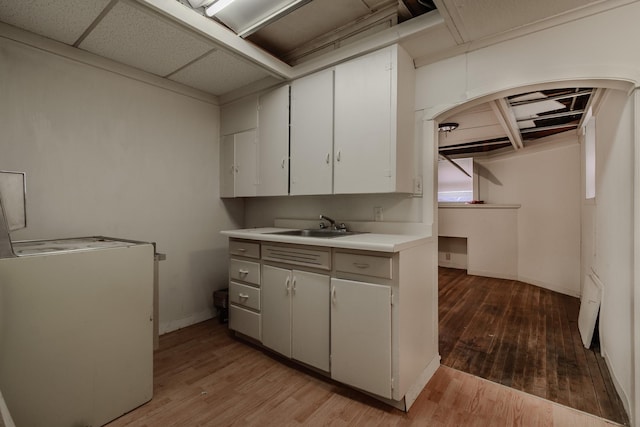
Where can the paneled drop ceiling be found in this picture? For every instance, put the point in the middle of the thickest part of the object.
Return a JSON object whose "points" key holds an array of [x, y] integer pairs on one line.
{"points": [[170, 39], [128, 32]]}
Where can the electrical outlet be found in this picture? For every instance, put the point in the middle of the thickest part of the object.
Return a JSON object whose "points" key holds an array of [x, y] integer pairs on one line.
{"points": [[417, 185], [377, 213]]}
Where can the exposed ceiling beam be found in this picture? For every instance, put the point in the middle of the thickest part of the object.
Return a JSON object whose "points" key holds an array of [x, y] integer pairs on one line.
{"points": [[552, 116], [507, 120], [468, 145], [460, 168], [552, 98], [554, 127], [592, 106]]}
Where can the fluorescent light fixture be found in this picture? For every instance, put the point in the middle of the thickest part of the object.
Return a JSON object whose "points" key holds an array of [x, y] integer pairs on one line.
{"points": [[217, 7], [200, 3]]}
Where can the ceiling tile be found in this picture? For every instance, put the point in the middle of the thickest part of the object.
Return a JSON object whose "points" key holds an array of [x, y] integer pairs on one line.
{"points": [[480, 18], [64, 21], [219, 73], [138, 37]]}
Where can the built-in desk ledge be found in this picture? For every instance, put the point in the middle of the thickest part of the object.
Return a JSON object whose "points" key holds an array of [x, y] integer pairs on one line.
{"points": [[477, 206]]}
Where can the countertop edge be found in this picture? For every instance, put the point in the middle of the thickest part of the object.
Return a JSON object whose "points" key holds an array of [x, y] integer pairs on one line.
{"points": [[348, 242]]}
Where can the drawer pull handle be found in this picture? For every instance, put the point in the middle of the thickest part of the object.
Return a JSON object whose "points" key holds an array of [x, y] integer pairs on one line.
{"points": [[328, 158], [241, 271], [243, 296], [294, 285], [333, 295], [361, 265], [287, 285], [241, 250]]}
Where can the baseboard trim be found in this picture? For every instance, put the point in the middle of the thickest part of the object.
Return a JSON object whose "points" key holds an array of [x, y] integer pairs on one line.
{"points": [[555, 288], [491, 274], [626, 402], [174, 325]]}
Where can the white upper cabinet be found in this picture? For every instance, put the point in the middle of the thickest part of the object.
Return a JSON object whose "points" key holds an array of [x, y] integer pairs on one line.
{"points": [[227, 166], [373, 119], [238, 157], [239, 115], [273, 142], [312, 134]]}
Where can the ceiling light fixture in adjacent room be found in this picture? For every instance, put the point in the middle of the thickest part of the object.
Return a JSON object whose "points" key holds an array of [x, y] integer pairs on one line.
{"points": [[447, 127]]}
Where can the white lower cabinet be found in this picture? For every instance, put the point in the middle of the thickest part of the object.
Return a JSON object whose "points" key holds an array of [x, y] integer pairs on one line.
{"points": [[295, 314], [361, 335]]}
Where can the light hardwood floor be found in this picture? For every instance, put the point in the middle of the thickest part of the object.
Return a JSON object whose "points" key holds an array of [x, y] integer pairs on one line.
{"points": [[203, 376]]}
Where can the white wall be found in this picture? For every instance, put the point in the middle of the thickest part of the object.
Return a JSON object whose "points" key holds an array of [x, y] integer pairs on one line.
{"points": [[262, 211], [545, 182], [594, 48], [491, 233], [109, 155], [614, 234]]}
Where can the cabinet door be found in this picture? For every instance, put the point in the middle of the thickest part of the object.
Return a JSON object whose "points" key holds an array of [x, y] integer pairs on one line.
{"points": [[361, 335], [227, 166], [310, 319], [273, 142], [312, 134], [276, 309], [363, 125], [246, 163]]}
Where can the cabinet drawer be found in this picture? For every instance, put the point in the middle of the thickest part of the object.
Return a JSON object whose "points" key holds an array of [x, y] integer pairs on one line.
{"points": [[244, 248], [367, 265], [244, 321], [244, 295], [298, 255], [244, 271]]}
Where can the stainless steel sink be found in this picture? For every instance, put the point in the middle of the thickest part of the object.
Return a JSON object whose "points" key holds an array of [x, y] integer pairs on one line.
{"points": [[321, 233]]}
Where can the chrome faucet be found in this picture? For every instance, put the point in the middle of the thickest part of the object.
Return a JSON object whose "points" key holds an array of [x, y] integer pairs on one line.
{"points": [[333, 225]]}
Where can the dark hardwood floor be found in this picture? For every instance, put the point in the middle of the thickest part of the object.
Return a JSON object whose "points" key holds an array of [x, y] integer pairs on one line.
{"points": [[524, 337]]}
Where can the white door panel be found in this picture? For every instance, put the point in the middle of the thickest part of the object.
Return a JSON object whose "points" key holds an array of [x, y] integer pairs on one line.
{"points": [[310, 320], [361, 335]]}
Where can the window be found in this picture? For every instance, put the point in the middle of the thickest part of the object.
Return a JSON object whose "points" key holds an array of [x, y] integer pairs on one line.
{"points": [[453, 184]]}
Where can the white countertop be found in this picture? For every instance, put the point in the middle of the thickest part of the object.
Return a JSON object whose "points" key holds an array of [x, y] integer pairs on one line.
{"points": [[363, 241]]}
